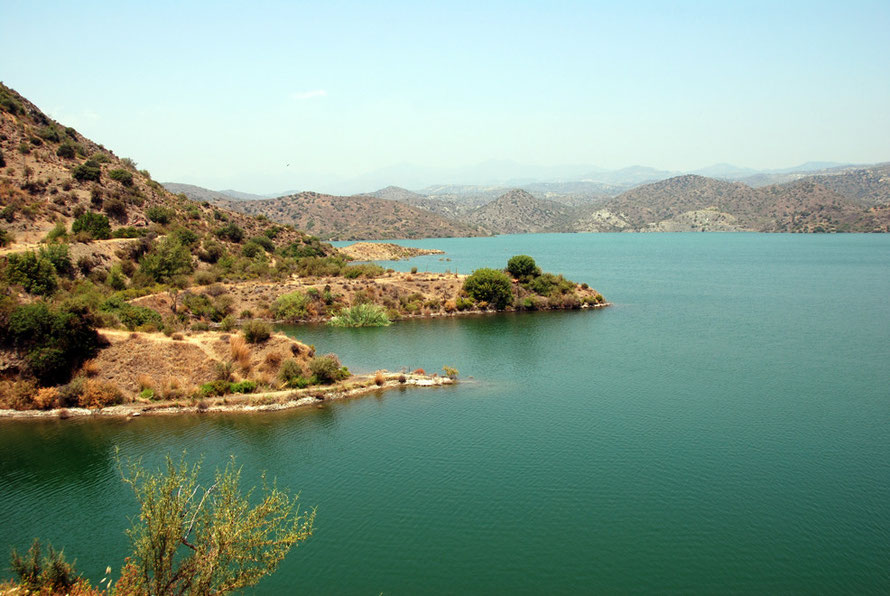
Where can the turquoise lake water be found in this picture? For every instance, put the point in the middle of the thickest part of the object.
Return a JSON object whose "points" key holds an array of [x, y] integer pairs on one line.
{"points": [[724, 427]]}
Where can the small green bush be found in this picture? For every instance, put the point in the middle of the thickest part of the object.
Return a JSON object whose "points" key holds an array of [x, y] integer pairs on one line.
{"points": [[59, 232], [291, 374], [95, 225], [212, 388], [243, 387], [256, 332], [327, 369], [125, 177], [160, 215], [292, 307], [66, 150], [87, 171], [231, 232], [491, 286], [361, 315], [368, 270]]}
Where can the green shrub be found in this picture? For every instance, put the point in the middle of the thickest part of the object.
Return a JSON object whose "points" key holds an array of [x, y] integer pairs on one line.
{"points": [[128, 232], [252, 250], [291, 374], [463, 303], [133, 317], [87, 171], [243, 387], [361, 315], [256, 331], [265, 242], [327, 369], [521, 266], [231, 232], [491, 286], [66, 150], [6, 238], [36, 274], [58, 255], [160, 215], [93, 224], [217, 387], [59, 232], [548, 284], [212, 251], [99, 157], [291, 307], [50, 574], [116, 209], [320, 266], [125, 177], [368, 270], [185, 236]]}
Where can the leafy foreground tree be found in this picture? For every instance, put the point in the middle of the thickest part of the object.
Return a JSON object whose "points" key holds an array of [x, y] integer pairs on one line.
{"points": [[186, 540], [189, 540]]}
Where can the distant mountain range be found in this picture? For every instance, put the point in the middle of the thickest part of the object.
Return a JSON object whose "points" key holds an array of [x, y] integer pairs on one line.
{"points": [[833, 199]]}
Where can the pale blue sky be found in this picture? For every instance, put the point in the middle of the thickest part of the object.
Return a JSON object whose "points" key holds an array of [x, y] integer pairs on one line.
{"points": [[226, 95]]}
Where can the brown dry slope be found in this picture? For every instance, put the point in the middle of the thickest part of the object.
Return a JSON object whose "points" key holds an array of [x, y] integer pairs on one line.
{"points": [[355, 218]]}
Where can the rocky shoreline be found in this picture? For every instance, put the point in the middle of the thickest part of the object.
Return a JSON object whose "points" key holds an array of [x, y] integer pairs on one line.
{"points": [[272, 401]]}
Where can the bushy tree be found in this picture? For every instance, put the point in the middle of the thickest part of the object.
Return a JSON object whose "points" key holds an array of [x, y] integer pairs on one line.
{"points": [[194, 540], [54, 340], [168, 259], [521, 266], [490, 285], [35, 273]]}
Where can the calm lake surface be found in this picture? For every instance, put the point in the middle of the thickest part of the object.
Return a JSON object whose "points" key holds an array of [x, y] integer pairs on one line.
{"points": [[724, 427]]}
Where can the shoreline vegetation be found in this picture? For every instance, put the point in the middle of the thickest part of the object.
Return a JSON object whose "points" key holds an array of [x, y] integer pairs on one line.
{"points": [[270, 401]]}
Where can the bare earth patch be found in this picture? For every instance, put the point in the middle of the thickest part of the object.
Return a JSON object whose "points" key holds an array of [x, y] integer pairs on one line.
{"points": [[373, 251]]}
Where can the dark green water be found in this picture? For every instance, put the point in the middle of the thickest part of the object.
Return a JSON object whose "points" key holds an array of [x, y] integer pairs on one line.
{"points": [[725, 427]]}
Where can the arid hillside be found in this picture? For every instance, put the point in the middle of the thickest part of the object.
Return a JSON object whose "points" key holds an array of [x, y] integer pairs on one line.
{"points": [[354, 218]]}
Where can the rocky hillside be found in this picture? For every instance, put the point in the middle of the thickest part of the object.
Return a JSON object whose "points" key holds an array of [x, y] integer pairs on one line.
{"points": [[870, 186], [355, 218], [50, 175], [518, 212]]}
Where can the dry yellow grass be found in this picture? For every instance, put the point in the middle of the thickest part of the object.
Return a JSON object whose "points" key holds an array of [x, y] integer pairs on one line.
{"points": [[379, 378], [240, 352]]}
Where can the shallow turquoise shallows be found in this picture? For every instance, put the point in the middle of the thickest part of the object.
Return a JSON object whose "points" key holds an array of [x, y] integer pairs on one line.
{"points": [[724, 427]]}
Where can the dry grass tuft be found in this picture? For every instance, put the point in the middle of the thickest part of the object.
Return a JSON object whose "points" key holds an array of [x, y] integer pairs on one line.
{"points": [[145, 382], [240, 352], [272, 362], [90, 368], [99, 394], [379, 378]]}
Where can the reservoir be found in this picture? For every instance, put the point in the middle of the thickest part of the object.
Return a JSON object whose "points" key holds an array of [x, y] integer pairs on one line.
{"points": [[723, 427]]}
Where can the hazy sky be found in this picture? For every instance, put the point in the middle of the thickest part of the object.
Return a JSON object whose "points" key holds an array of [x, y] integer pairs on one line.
{"points": [[267, 96]]}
